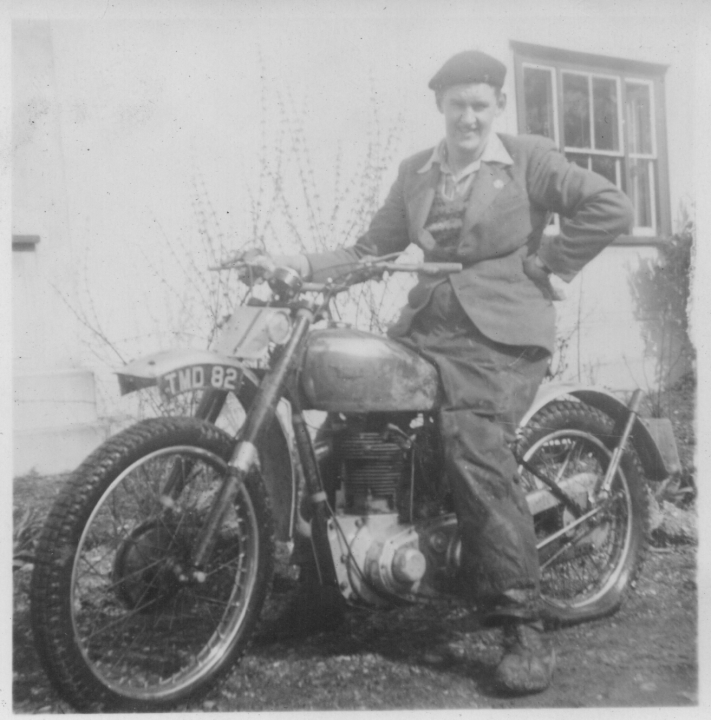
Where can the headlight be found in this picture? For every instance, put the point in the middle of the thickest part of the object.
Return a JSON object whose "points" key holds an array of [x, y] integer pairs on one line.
{"points": [[279, 327]]}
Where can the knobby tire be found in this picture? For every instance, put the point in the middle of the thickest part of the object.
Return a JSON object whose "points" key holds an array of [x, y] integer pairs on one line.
{"points": [[577, 585], [56, 621]]}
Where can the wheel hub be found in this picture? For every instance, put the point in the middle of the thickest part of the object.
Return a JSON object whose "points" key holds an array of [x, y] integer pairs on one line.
{"points": [[147, 567]]}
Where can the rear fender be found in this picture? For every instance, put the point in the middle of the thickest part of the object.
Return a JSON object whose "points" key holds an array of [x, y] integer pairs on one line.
{"points": [[274, 447], [655, 465]]}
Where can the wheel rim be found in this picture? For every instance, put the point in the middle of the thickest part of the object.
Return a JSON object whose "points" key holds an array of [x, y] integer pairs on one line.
{"points": [[585, 564], [143, 633]]}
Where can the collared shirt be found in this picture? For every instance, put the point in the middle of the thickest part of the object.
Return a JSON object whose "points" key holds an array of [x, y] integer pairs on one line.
{"points": [[453, 185]]}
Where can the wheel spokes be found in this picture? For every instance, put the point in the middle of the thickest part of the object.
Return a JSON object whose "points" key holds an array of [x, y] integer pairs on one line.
{"points": [[137, 625], [578, 554]]}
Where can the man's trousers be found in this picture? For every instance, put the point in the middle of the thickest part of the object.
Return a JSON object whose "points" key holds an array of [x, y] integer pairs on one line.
{"points": [[488, 387]]}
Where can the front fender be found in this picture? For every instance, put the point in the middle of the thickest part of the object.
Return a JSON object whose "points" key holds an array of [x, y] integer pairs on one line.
{"points": [[656, 466], [149, 370], [277, 467]]}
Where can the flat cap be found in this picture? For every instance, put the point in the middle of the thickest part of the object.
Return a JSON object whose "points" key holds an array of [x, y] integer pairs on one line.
{"points": [[470, 66]]}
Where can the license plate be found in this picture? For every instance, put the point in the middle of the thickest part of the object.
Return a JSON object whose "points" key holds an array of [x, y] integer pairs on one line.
{"points": [[200, 377]]}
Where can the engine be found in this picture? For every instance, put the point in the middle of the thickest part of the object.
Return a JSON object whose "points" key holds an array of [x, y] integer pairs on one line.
{"points": [[372, 470], [394, 532]]}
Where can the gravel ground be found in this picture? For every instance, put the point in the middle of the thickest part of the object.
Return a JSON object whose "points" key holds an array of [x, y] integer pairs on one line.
{"points": [[425, 658], [420, 658]]}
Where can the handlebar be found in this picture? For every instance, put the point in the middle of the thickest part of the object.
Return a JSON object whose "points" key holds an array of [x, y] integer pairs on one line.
{"points": [[427, 268], [358, 272]]}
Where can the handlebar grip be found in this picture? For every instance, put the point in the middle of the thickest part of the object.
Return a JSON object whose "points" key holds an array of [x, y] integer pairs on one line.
{"points": [[313, 287]]}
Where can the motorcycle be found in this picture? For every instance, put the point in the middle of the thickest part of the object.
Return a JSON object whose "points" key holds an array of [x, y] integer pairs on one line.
{"points": [[158, 554]]}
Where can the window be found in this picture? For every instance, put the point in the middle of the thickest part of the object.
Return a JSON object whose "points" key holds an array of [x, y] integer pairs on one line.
{"points": [[606, 114]]}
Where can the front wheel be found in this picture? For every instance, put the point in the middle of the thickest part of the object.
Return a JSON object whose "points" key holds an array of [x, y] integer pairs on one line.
{"points": [[118, 623], [589, 554]]}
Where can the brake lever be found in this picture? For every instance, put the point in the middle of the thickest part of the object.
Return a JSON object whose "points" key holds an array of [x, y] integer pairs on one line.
{"points": [[425, 268], [228, 265]]}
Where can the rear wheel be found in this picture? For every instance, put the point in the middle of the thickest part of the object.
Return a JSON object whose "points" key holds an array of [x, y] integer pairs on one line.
{"points": [[589, 554], [118, 623]]}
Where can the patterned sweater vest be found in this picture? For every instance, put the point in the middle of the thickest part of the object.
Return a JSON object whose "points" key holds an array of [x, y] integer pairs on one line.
{"points": [[444, 223]]}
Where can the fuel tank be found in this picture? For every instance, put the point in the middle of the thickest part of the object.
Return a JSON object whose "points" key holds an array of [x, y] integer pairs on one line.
{"points": [[352, 371]]}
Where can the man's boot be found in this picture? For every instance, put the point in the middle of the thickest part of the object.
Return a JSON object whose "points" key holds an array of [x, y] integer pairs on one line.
{"points": [[529, 660]]}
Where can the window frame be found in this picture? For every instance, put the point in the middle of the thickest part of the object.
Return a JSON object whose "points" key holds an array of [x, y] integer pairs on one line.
{"points": [[559, 61]]}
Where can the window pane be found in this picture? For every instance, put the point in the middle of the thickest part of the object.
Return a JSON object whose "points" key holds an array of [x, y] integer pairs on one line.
{"points": [[538, 98], [576, 110], [639, 118], [605, 166], [605, 114], [640, 192]]}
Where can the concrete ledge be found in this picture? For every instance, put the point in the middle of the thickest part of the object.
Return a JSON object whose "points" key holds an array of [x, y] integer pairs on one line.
{"points": [[47, 399], [53, 450]]}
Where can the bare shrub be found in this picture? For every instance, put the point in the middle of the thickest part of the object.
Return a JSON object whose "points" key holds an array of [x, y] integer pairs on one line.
{"points": [[286, 213]]}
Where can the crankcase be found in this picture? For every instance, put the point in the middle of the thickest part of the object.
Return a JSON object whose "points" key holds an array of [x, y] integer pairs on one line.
{"points": [[352, 371], [378, 559]]}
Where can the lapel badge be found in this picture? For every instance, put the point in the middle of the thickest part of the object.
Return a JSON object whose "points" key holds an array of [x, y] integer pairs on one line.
{"points": [[498, 184]]}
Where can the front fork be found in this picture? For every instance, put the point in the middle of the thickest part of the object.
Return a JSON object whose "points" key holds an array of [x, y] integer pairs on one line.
{"points": [[245, 455], [210, 405]]}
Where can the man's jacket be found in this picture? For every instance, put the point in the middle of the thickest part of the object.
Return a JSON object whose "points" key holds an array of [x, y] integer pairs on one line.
{"points": [[506, 214]]}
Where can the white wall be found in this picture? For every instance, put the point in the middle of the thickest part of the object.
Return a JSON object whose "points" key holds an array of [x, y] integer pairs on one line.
{"points": [[44, 333], [119, 110], [606, 346]]}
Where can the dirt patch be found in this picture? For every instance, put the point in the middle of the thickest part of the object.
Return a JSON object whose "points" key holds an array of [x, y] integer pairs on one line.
{"points": [[427, 658]]}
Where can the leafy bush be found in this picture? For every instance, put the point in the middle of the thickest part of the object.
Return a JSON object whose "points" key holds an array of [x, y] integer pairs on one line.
{"points": [[661, 289]]}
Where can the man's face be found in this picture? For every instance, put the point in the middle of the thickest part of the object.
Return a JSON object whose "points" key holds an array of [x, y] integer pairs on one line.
{"points": [[469, 112]]}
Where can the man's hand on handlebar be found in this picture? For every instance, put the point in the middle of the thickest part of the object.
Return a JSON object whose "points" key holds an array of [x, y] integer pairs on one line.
{"points": [[255, 265]]}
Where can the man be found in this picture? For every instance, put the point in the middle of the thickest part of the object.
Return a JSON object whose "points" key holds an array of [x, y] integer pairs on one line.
{"points": [[483, 200]]}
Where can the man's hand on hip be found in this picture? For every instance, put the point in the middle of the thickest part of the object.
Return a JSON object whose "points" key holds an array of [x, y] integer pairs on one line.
{"points": [[535, 269]]}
